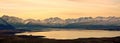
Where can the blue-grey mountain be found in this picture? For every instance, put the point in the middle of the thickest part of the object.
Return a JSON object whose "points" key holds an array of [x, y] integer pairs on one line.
{"points": [[110, 22]]}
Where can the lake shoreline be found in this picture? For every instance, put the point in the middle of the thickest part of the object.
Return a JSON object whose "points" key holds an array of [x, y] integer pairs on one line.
{"points": [[73, 34], [35, 39], [39, 39]]}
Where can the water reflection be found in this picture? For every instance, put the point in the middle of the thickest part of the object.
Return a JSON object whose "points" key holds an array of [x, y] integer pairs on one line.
{"points": [[74, 34]]}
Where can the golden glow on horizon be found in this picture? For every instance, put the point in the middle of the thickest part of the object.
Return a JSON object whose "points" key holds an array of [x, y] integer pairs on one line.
{"points": [[41, 9]]}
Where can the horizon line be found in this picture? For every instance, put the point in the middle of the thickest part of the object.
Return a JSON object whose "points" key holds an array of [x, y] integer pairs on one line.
{"points": [[64, 19]]}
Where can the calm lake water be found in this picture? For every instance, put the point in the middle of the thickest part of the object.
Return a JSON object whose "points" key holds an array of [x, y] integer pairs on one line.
{"points": [[73, 34]]}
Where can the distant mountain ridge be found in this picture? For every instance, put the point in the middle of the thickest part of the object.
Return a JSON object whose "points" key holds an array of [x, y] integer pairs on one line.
{"points": [[56, 22], [4, 25]]}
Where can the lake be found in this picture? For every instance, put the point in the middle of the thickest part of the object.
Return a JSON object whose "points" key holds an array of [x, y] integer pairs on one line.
{"points": [[73, 34]]}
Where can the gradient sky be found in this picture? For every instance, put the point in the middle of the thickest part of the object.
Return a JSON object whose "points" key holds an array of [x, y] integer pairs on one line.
{"points": [[41, 9]]}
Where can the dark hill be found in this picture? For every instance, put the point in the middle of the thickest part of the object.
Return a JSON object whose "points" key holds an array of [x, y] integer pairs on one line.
{"points": [[4, 25]]}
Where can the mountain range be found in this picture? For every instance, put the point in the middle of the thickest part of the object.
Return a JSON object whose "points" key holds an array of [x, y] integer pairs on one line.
{"points": [[110, 22]]}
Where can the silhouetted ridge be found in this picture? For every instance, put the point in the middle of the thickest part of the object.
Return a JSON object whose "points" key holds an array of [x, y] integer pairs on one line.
{"points": [[5, 25]]}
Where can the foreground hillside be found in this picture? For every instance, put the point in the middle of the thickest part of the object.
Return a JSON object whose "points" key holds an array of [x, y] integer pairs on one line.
{"points": [[35, 39]]}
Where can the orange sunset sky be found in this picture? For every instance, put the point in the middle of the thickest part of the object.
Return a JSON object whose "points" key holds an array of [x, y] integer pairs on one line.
{"points": [[41, 9]]}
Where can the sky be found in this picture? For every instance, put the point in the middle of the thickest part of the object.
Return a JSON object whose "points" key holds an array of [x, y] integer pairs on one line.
{"points": [[41, 9]]}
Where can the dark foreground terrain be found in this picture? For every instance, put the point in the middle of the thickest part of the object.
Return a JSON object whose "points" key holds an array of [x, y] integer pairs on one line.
{"points": [[8, 37], [35, 39]]}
